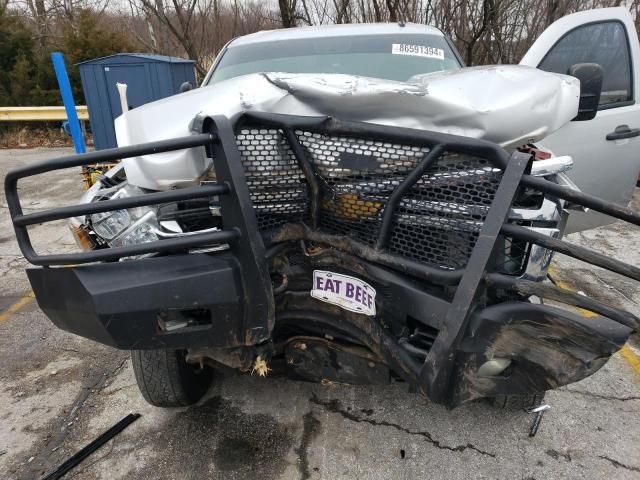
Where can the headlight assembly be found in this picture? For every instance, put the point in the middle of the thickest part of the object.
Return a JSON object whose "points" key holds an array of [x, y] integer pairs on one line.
{"points": [[142, 234], [142, 231], [108, 225], [139, 225]]}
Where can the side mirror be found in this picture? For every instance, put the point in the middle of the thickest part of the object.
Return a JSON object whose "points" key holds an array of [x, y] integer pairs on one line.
{"points": [[185, 87], [590, 76]]}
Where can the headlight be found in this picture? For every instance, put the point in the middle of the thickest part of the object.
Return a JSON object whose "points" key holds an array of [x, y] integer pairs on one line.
{"points": [[110, 224], [141, 232]]}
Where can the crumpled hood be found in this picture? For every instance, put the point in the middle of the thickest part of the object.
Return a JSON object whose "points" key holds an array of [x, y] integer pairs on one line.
{"points": [[509, 105]]}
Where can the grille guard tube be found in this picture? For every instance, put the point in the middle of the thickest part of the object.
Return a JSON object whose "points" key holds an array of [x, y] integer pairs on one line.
{"points": [[528, 288], [21, 221]]}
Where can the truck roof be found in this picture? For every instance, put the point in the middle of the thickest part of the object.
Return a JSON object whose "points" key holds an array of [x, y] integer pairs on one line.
{"points": [[342, 30]]}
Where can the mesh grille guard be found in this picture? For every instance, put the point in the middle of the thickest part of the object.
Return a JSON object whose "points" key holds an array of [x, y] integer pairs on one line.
{"points": [[323, 202], [422, 160], [436, 222]]}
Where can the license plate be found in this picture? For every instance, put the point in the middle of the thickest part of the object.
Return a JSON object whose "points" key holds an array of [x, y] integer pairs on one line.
{"points": [[347, 292]]}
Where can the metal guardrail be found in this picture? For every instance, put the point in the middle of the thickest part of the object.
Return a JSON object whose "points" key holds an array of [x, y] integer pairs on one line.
{"points": [[39, 114]]}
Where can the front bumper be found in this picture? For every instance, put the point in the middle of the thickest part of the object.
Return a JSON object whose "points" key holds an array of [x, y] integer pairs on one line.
{"points": [[197, 300], [182, 300], [178, 301]]}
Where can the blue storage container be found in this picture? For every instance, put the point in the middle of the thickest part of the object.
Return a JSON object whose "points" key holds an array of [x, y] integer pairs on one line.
{"points": [[148, 78]]}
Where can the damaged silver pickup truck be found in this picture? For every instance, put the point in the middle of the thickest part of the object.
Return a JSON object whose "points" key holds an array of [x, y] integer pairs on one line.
{"points": [[372, 213]]}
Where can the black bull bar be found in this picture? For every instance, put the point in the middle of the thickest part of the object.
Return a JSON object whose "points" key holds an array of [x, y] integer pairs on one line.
{"points": [[248, 256]]}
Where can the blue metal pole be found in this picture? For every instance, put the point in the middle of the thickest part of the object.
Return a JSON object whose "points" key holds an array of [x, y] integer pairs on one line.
{"points": [[67, 99]]}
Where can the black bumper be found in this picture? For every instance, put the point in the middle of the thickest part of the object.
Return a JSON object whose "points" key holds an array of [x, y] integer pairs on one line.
{"points": [[125, 304]]}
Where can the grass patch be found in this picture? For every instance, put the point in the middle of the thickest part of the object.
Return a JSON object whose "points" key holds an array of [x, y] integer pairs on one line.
{"points": [[35, 134]]}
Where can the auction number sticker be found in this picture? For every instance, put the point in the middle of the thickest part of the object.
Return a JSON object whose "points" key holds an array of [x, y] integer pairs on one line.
{"points": [[347, 292], [417, 50]]}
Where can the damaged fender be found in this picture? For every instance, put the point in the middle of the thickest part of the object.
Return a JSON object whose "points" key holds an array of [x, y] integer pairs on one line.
{"points": [[548, 347]]}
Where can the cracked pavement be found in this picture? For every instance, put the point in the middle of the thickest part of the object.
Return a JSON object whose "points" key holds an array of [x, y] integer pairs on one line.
{"points": [[58, 392]]}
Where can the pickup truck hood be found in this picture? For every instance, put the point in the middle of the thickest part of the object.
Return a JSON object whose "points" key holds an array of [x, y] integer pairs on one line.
{"points": [[509, 105]]}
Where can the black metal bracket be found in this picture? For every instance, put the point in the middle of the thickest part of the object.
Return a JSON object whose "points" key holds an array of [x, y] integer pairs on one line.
{"points": [[238, 214], [440, 360]]}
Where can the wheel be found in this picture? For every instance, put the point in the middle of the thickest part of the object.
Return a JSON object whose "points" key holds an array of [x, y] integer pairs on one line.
{"points": [[166, 380], [517, 402]]}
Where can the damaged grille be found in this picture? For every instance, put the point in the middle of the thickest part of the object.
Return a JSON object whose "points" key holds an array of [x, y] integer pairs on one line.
{"points": [[439, 219], [436, 222], [277, 185]]}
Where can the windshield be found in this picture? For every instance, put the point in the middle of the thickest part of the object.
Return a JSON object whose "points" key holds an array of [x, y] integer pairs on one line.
{"points": [[391, 57]]}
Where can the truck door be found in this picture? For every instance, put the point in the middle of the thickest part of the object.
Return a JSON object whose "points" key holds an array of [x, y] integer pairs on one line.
{"points": [[606, 149]]}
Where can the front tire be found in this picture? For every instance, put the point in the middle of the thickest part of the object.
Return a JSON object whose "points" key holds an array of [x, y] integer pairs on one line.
{"points": [[166, 380]]}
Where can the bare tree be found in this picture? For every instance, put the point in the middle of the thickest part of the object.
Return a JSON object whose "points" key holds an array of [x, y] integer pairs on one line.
{"points": [[485, 31], [288, 12], [392, 7]]}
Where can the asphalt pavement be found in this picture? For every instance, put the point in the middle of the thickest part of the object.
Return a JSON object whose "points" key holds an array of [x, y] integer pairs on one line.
{"points": [[58, 392]]}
